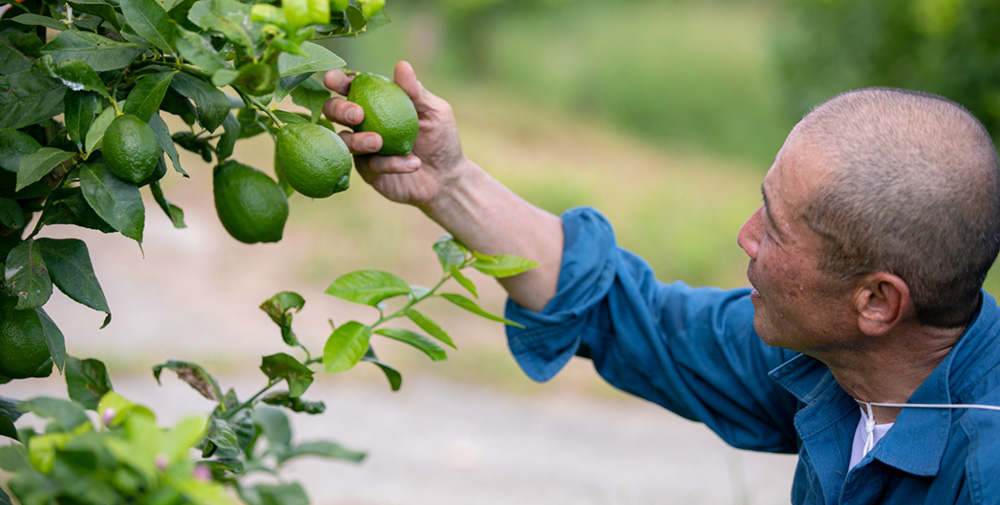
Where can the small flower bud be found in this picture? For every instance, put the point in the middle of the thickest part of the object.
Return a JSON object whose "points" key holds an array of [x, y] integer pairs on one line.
{"points": [[161, 461], [201, 472], [108, 416]]}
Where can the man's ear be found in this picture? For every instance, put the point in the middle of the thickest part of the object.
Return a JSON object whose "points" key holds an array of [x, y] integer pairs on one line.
{"points": [[881, 300]]}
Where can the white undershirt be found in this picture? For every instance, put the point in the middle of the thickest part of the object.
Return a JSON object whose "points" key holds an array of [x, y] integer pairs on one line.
{"points": [[858, 451]]}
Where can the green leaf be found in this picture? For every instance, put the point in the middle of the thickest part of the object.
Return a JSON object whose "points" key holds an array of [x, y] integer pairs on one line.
{"points": [[449, 252], [26, 276], [14, 459], [14, 145], [54, 339], [175, 213], [504, 265], [65, 414], [231, 132], [194, 375], [287, 84], [36, 165], [281, 366], [150, 21], [282, 494], [101, 53], [198, 49], [96, 133], [166, 143], [290, 117], [422, 343], [36, 20], [391, 374], [116, 201], [274, 426], [80, 110], [211, 103], [318, 59], [345, 347], [11, 214], [228, 17], [29, 97], [279, 308], [323, 449], [9, 413], [367, 286], [428, 325], [285, 399], [74, 209], [471, 306], [145, 98], [311, 95], [69, 266], [74, 74], [87, 381], [223, 437], [100, 8], [463, 281]]}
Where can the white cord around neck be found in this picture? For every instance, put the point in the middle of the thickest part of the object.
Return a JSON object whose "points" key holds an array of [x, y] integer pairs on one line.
{"points": [[928, 406]]}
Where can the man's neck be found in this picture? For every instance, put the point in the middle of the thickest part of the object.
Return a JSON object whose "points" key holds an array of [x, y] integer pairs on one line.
{"points": [[890, 371]]}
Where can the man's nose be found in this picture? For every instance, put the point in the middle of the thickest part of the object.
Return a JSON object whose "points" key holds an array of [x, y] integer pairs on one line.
{"points": [[749, 236]]}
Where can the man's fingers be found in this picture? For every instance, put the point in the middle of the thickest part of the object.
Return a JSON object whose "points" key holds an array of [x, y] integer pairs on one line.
{"points": [[341, 111], [337, 81], [405, 77], [379, 165], [362, 143]]}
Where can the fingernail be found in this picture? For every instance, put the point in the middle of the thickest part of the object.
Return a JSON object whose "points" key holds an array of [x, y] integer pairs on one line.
{"points": [[370, 144], [352, 114], [412, 163]]}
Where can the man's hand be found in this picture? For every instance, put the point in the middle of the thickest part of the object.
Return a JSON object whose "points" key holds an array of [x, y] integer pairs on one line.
{"points": [[437, 156], [452, 190]]}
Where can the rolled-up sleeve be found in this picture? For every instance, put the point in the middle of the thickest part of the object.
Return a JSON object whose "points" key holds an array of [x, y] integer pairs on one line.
{"points": [[691, 350]]}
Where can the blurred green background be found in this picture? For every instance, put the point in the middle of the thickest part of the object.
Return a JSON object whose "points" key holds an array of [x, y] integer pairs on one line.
{"points": [[688, 100]]}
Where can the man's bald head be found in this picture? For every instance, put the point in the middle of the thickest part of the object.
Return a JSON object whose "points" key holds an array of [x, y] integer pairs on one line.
{"points": [[912, 189]]}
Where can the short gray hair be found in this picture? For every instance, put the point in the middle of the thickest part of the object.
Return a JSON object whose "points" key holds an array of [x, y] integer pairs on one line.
{"points": [[912, 190]]}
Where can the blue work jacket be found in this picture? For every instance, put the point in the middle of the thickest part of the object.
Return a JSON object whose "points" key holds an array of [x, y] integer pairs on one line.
{"points": [[695, 352]]}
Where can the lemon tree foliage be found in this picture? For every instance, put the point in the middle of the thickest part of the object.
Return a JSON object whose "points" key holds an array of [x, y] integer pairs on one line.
{"points": [[88, 89]]}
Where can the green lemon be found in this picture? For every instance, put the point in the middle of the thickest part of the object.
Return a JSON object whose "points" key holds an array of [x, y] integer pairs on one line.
{"points": [[250, 204], [314, 161], [300, 13], [388, 112], [371, 7], [130, 148], [338, 5], [22, 341]]}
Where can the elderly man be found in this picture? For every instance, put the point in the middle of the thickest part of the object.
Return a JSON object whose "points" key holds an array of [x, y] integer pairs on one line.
{"points": [[866, 344]]}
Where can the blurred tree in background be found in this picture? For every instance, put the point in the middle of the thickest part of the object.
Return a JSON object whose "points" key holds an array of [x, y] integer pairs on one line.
{"points": [[949, 47]]}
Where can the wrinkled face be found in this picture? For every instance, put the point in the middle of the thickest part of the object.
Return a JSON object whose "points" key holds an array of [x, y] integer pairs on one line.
{"points": [[796, 306]]}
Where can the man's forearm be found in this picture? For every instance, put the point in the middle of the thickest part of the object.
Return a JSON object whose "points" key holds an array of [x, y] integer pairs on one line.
{"points": [[488, 217]]}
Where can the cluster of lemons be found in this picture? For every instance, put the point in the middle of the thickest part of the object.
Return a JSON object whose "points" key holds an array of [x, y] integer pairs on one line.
{"points": [[313, 160]]}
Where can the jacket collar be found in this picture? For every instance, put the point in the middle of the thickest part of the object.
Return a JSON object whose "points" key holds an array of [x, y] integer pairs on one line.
{"points": [[917, 440]]}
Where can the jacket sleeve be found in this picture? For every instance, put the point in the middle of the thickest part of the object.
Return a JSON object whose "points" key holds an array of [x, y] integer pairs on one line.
{"points": [[691, 350]]}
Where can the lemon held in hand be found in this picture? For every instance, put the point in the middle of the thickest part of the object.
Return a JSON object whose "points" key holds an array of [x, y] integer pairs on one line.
{"points": [[251, 206], [22, 341], [130, 148], [388, 112], [314, 161]]}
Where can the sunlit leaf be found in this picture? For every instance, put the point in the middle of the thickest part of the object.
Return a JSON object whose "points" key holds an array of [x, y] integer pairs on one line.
{"points": [[425, 323], [345, 346], [368, 287]]}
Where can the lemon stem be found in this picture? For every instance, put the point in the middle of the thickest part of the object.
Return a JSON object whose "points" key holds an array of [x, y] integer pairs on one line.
{"points": [[255, 103]]}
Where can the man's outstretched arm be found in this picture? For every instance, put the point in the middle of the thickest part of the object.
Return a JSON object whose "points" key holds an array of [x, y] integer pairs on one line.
{"points": [[452, 190]]}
